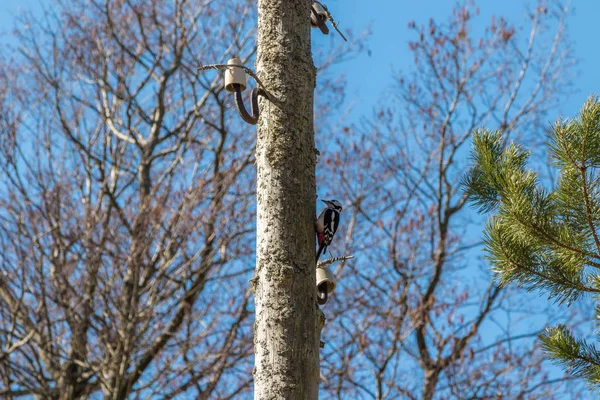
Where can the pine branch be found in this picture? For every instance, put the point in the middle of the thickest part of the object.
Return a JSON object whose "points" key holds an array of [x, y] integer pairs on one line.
{"points": [[545, 239], [579, 357]]}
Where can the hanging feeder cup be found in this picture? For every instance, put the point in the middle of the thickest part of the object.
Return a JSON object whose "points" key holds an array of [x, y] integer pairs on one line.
{"points": [[318, 17], [325, 284], [235, 82], [235, 77]]}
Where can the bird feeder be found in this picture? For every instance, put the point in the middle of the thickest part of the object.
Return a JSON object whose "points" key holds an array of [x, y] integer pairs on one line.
{"points": [[319, 16], [325, 284], [235, 82], [235, 76], [320, 12]]}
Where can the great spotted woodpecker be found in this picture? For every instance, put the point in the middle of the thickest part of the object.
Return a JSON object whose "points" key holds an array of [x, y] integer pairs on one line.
{"points": [[327, 224]]}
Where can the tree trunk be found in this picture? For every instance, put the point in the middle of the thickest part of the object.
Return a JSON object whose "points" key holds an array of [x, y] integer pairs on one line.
{"points": [[286, 340], [431, 380]]}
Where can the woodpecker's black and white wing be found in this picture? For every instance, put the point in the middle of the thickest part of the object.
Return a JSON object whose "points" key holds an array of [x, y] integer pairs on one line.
{"points": [[331, 222], [327, 224]]}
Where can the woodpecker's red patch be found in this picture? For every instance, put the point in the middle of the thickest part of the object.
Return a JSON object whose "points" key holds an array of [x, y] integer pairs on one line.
{"points": [[321, 237]]}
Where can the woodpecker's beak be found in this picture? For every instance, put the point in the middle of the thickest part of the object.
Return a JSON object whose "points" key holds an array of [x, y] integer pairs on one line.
{"points": [[326, 202]]}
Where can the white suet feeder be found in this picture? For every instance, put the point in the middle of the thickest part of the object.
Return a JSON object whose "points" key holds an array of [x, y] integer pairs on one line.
{"points": [[325, 284], [235, 82], [235, 76]]}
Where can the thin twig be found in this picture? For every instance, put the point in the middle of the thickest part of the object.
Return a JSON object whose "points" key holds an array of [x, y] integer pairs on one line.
{"points": [[323, 263]]}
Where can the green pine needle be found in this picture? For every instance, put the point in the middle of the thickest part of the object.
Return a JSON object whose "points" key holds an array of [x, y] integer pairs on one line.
{"points": [[580, 358], [540, 239]]}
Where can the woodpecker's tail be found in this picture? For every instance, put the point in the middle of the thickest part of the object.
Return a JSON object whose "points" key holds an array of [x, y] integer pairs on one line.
{"points": [[322, 248]]}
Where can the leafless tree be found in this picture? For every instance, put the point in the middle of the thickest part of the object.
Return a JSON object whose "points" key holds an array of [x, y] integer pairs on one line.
{"points": [[122, 205], [127, 206], [416, 315], [126, 203]]}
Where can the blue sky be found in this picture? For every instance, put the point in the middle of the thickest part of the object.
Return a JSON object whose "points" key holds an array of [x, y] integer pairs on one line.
{"points": [[368, 76], [371, 76]]}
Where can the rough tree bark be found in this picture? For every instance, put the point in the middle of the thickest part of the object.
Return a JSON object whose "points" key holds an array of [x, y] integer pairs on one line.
{"points": [[286, 341]]}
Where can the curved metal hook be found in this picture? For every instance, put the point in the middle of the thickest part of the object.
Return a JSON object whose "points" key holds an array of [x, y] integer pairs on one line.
{"points": [[252, 117], [322, 296], [319, 21]]}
